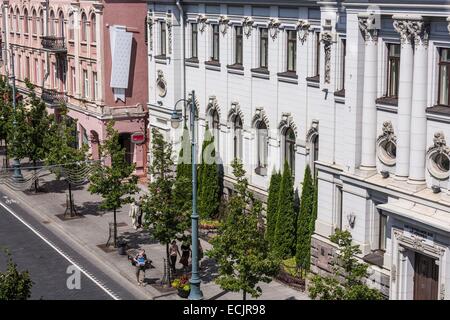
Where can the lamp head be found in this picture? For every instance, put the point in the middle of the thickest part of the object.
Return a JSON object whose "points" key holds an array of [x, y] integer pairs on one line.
{"points": [[175, 119]]}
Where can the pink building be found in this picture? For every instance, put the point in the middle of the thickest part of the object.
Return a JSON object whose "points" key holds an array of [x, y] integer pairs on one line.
{"points": [[89, 54]]}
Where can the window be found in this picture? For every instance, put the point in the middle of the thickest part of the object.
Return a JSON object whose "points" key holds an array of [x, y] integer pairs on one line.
{"points": [[393, 71], [237, 137], [238, 44], [339, 207], [41, 20], [11, 22], [25, 21], [93, 28], [71, 26], [291, 50], [289, 149], [444, 77], [83, 27], [317, 53], [55, 75], [85, 84], [19, 67], [315, 155], [52, 31], [194, 43], [18, 28], [94, 79], [27, 68], [61, 24], [74, 80], [382, 235], [33, 23], [262, 140], [344, 54], [163, 39], [263, 48], [215, 128], [36, 71], [216, 42]]}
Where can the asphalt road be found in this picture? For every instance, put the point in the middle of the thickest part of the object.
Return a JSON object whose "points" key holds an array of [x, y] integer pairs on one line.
{"points": [[47, 258]]}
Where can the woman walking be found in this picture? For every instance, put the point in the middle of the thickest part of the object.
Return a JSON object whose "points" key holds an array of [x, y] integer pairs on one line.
{"points": [[174, 251], [186, 253]]}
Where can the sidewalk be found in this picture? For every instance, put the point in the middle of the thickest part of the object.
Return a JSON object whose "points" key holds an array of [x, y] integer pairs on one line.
{"points": [[92, 230]]}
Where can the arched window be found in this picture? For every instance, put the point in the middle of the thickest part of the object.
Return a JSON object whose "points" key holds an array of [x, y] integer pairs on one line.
{"points": [[237, 138], [41, 22], [18, 29], [25, 21], [71, 26], [11, 23], [215, 128], [83, 27], [61, 24], [262, 147], [33, 22], [52, 31], [93, 28], [289, 148]]}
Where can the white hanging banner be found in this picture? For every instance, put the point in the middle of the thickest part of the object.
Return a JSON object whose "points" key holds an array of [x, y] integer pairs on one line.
{"points": [[121, 42]]}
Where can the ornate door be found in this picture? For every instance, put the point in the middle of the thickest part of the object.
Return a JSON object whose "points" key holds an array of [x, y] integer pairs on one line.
{"points": [[425, 278]]}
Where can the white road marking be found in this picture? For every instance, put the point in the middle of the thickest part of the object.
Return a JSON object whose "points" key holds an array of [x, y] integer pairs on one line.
{"points": [[104, 288]]}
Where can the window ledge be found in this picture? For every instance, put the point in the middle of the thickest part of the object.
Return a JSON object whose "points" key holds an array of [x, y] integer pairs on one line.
{"points": [[192, 60], [439, 109], [313, 81], [212, 63], [288, 76], [235, 66], [387, 101], [340, 93], [260, 70]]}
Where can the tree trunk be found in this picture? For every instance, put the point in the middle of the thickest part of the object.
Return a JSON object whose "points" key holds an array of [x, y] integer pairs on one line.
{"points": [[115, 229], [70, 200], [36, 180], [244, 295]]}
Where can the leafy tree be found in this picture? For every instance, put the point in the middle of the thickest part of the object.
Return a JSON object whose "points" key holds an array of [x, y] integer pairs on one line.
{"points": [[240, 249], [60, 145], [38, 121], [347, 281], [305, 223], [14, 285], [18, 132], [116, 182], [183, 182], [209, 183], [285, 230], [5, 111], [272, 206], [161, 214]]}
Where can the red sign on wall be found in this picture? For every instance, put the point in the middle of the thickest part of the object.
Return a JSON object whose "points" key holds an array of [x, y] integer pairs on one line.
{"points": [[138, 137]]}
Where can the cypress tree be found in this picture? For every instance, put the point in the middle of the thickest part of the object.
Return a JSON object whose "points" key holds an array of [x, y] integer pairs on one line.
{"points": [[305, 221], [208, 200], [284, 244], [272, 206], [183, 183]]}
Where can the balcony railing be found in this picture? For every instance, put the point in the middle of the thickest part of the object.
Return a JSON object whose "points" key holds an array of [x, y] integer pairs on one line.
{"points": [[53, 44], [53, 97]]}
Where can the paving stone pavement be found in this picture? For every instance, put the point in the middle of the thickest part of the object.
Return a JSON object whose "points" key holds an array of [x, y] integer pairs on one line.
{"points": [[92, 230]]}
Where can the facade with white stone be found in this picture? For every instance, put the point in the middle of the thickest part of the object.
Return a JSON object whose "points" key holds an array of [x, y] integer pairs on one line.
{"points": [[369, 81]]}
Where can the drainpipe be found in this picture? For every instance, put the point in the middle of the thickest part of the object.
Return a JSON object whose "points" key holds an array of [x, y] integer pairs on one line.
{"points": [[180, 8]]}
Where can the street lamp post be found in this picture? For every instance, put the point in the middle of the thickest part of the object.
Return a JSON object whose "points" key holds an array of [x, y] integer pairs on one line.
{"points": [[17, 176], [195, 293]]}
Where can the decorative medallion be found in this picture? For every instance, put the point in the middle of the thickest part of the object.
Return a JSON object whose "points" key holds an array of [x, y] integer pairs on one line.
{"points": [[161, 84], [387, 144], [438, 157]]}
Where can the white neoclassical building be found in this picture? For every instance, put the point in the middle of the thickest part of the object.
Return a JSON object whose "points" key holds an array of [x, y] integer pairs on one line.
{"points": [[369, 81]]}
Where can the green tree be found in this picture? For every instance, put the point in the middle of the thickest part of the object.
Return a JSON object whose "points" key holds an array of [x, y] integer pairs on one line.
{"points": [[39, 122], [60, 145], [18, 132], [272, 206], [347, 280], [183, 183], [161, 214], [115, 182], [6, 111], [305, 222], [209, 183], [285, 230], [242, 253], [14, 285]]}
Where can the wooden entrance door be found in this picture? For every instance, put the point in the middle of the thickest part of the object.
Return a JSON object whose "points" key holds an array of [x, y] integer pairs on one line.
{"points": [[425, 278]]}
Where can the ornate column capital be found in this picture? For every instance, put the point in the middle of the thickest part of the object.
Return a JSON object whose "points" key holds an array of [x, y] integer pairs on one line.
{"points": [[302, 30], [420, 31], [401, 26], [408, 26], [368, 27], [98, 7], [223, 22]]}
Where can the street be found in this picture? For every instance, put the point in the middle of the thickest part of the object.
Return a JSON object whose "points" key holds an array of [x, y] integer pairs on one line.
{"points": [[47, 258]]}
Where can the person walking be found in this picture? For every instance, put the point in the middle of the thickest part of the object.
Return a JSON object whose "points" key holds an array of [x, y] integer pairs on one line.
{"points": [[141, 262], [186, 253], [174, 252]]}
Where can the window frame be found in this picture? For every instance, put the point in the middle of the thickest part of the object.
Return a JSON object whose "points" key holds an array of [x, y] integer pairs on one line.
{"points": [[291, 41], [215, 42], [194, 44], [382, 231], [289, 149], [264, 43], [237, 137], [262, 155], [93, 28], [163, 38], [317, 57], [85, 84], [442, 63], [344, 54], [84, 32], [95, 85], [238, 45], [389, 79]]}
